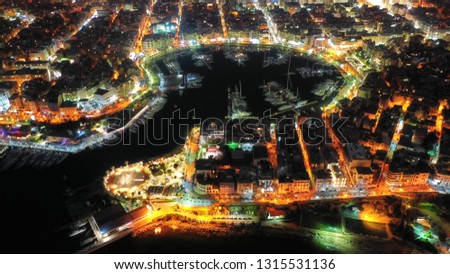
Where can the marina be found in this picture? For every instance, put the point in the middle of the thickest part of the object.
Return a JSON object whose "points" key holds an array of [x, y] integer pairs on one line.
{"points": [[18, 158], [237, 105], [108, 150]]}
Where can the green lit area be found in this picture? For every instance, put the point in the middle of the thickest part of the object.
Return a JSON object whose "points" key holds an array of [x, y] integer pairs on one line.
{"points": [[233, 145], [424, 234], [329, 228], [334, 244], [165, 28]]}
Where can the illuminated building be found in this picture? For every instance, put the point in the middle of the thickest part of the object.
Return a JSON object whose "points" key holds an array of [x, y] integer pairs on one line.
{"points": [[68, 109], [227, 183], [442, 177], [157, 42], [115, 219], [363, 176], [16, 101], [204, 187], [7, 89], [212, 152], [339, 179], [265, 175], [406, 176], [4, 101], [205, 177], [23, 75], [273, 213], [324, 180], [295, 184], [212, 132], [105, 97], [244, 186], [356, 155]]}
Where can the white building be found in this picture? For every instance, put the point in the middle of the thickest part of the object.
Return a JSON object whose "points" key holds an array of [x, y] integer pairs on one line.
{"points": [[406, 177], [105, 97], [4, 101]]}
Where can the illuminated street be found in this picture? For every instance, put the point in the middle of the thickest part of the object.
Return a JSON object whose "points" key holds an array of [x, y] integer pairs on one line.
{"points": [[329, 121]]}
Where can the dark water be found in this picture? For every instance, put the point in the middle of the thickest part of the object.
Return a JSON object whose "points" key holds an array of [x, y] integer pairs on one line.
{"points": [[263, 243], [32, 201]]}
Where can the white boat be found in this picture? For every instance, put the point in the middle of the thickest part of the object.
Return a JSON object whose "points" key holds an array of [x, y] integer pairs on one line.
{"points": [[77, 231], [301, 104], [3, 151], [79, 223], [238, 103], [285, 107]]}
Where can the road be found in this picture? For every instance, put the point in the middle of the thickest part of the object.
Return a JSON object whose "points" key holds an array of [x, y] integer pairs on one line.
{"points": [[270, 23], [163, 210]]}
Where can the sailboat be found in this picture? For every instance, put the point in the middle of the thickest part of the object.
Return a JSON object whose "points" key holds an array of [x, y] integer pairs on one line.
{"points": [[300, 103], [238, 103]]}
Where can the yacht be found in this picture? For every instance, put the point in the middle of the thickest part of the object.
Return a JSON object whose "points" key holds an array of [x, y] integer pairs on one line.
{"points": [[77, 231], [3, 151]]}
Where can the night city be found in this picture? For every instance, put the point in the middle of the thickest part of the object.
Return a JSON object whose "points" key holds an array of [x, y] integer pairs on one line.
{"points": [[225, 127]]}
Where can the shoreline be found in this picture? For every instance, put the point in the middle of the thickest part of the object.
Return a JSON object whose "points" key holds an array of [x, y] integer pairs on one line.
{"points": [[10, 142], [256, 238]]}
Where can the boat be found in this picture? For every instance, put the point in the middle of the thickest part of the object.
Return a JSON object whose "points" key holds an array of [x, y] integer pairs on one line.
{"points": [[275, 94], [193, 80], [61, 158], [203, 59], [77, 231], [88, 240], [285, 107], [79, 223], [237, 104], [23, 160], [301, 104], [280, 59], [239, 57], [267, 61], [324, 88], [3, 151]]}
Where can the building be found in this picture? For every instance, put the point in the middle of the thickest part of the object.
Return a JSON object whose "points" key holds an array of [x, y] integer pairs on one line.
{"points": [[68, 109], [442, 177], [25, 74], [339, 181], [265, 175], [246, 180], [244, 186], [204, 185], [16, 101], [32, 65], [205, 177], [406, 176], [4, 102], [105, 97], [115, 219], [294, 184], [324, 181], [205, 167], [112, 219], [285, 184], [363, 176], [273, 213], [356, 155], [7, 89], [260, 153], [227, 181]]}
